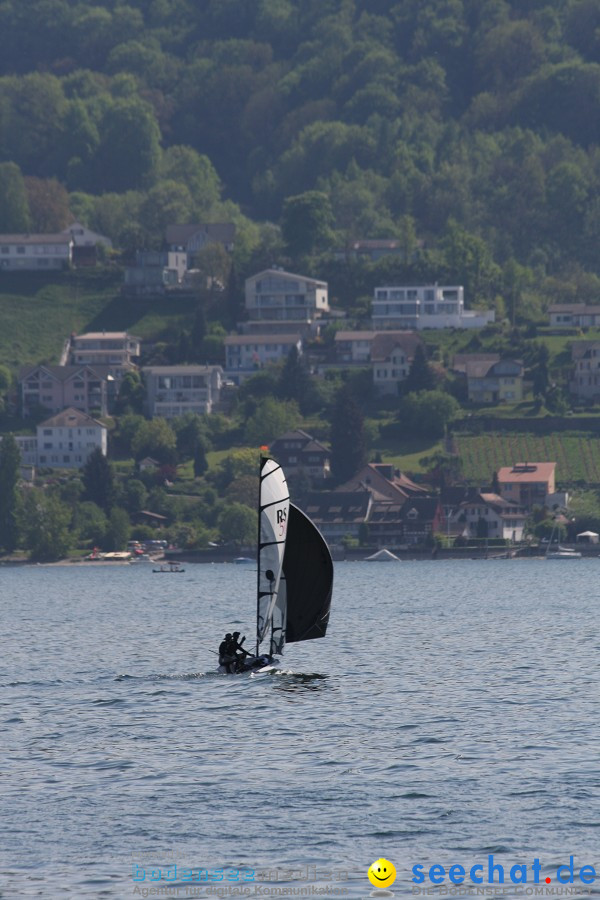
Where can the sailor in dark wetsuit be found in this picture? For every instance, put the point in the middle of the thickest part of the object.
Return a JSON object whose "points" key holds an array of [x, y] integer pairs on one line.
{"points": [[227, 654], [238, 651]]}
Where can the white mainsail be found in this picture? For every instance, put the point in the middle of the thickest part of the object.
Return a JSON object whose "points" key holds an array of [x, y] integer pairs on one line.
{"points": [[274, 504]]}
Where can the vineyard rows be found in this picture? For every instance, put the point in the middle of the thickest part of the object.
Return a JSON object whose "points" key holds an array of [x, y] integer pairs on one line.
{"points": [[577, 457]]}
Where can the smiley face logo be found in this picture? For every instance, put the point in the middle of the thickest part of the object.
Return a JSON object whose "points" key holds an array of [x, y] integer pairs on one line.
{"points": [[382, 873]]}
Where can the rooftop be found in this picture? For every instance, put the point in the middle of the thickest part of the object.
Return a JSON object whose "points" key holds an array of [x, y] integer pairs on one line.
{"points": [[523, 473], [70, 418], [246, 339]]}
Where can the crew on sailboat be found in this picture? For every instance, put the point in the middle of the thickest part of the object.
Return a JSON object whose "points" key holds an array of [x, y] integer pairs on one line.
{"points": [[226, 656], [231, 652], [239, 652]]}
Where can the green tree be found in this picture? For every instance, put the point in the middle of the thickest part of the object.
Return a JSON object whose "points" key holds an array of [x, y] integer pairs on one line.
{"points": [[90, 522], [198, 333], [427, 413], [306, 222], [10, 461], [539, 371], [46, 526], [245, 490], [98, 480], [348, 445], [469, 261], [129, 150], [135, 495], [294, 380], [166, 202], [48, 202], [237, 524], [118, 530], [272, 418], [200, 461], [132, 394], [157, 439], [186, 165], [444, 468], [234, 465], [190, 430], [14, 208], [420, 376]]}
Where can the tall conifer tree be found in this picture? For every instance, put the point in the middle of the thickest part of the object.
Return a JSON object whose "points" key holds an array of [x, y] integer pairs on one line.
{"points": [[348, 447], [10, 461]]}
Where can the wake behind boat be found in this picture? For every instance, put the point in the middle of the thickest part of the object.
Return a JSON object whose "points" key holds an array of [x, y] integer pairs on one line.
{"points": [[295, 577]]}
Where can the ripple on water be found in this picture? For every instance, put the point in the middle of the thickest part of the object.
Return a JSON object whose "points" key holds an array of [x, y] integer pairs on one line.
{"points": [[478, 737]]}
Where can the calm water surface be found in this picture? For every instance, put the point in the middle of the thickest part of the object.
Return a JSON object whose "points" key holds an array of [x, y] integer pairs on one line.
{"points": [[451, 712]]}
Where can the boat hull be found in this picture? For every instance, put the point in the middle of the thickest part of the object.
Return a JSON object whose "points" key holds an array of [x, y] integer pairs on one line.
{"points": [[252, 664]]}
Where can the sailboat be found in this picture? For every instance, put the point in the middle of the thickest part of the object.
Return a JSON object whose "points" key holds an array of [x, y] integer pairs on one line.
{"points": [[560, 552], [295, 573]]}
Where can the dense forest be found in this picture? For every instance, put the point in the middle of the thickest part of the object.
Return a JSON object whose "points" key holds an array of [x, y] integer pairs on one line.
{"points": [[469, 129]]}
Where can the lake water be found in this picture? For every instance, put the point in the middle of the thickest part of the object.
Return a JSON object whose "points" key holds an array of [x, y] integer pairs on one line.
{"points": [[452, 713]]}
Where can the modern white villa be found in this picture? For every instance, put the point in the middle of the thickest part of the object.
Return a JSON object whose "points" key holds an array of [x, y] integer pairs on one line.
{"points": [[425, 306], [172, 391]]}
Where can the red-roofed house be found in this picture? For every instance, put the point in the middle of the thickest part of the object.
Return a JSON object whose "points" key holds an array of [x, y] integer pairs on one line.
{"points": [[527, 484]]}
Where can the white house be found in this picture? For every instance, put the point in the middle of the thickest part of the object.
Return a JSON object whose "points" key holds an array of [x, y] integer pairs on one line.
{"points": [[425, 306], [65, 441], [392, 353], [85, 237], [278, 296], [172, 391], [104, 348], [35, 252], [353, 346], [246, 353], [574, 315], [192, 238], [489, 515]]}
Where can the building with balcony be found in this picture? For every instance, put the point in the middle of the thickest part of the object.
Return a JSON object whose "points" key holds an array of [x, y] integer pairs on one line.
{"points": [[116, 349], [276, 296], [426, 306], [56, 387], [172, 391], [35, 252], [245, 354], [66, 440]]}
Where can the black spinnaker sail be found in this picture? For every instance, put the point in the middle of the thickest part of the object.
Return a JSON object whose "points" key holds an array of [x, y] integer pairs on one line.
{"points": [[302, 611]]}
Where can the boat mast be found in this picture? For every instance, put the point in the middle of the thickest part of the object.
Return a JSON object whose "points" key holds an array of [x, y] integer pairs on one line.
{"points": [[258, 548], [260, 467]]}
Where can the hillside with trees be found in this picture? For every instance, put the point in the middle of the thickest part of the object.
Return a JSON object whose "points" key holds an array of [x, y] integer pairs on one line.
{"points": [[467, 129]]}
